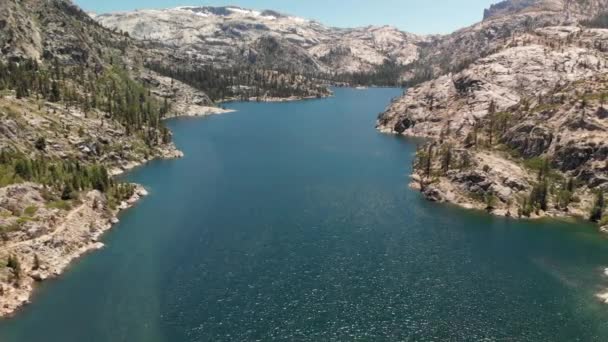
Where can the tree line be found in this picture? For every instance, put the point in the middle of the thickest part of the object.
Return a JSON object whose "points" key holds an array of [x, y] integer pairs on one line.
{"points": [[64, 177], [599, 21], [110, 90], [241, 82], [387, 74]]}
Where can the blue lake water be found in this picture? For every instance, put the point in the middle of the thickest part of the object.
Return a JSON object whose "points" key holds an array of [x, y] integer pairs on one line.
{"points": [[293, 222]]}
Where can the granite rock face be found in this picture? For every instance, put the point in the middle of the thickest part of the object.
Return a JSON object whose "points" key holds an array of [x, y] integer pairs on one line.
{"points": [[228, 35], [456, 51], [538, 95]]}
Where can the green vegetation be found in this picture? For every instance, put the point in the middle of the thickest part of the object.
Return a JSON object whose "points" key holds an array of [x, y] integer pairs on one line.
{"points": [[30, 211], [59, 174], [91, 89], [539, 197], [119, 193], [14, 263], [36, 262], [424, 159], [490, 201], [551, 186], [64, 177], [129, 103], [387, 74], [597, 212], [600, 21], [241, 82], [62, 205], [565, 195], [110, 90], [446, 157], [538, 164]]}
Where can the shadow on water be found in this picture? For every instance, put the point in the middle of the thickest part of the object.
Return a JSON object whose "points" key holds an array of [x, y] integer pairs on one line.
{"points": [[293, 222]]}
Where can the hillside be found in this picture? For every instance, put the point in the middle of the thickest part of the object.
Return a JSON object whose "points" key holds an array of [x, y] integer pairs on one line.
{"points": [[522, 130], [76, 107]]}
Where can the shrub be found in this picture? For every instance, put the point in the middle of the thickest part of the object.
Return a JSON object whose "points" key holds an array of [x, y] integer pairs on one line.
{"points": [[30, 211], [63, 205], [598, 208], [40, 144]]}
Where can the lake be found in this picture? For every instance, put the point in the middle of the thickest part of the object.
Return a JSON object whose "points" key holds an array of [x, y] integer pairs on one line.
{"points": [[293, 222]]}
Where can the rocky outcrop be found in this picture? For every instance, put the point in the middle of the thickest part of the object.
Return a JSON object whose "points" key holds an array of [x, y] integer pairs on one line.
{"points": [[573, 9], [530, 65], [507, 7], [529, 139], [454, 52], [529, 105], [272, 53], [185, 100], [49, 238], [53, 31]]}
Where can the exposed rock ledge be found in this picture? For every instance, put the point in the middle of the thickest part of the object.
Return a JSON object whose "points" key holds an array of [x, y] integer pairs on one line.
{"points": [[66, 236]]}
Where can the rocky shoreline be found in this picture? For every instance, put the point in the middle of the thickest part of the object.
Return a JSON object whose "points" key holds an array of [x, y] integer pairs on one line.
{"points": [[73, 234], [518, 133], [520, 129], [69, 234]]}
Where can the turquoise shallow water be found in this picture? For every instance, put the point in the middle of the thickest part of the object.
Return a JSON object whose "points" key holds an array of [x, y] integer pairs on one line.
{"points": [[293, 222]]}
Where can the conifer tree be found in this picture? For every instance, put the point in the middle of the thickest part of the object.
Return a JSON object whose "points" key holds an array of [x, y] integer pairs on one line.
{"points": [[598, 207]]}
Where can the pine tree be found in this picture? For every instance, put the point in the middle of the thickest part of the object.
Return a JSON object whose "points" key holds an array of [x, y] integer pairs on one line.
{"points": [[68, 192], [55, 93], [14, 264], [429, 161], [491, 114], [36, 265], [598, 208], [40, 144], [446, 160]]}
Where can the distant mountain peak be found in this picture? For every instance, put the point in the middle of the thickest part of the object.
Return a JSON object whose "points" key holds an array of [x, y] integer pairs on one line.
{"points": [[232, 11], [229, 35], [574, 8], [506, 6]]}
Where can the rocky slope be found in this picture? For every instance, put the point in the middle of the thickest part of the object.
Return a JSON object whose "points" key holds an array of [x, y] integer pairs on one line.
{"points": [[76, 106], [521, 131], [50, 237], [503, 21], [228, 35]]}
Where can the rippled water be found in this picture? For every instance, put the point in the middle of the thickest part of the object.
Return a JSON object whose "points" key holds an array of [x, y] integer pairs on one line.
{"points": [[293, 222]]}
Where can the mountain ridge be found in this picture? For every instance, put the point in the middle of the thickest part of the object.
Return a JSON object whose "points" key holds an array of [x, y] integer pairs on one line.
{"points": [[206, 36], [518, 128]]}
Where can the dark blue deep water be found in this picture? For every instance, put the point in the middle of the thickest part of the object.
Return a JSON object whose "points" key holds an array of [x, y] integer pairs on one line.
{"points": [[293, 222]]}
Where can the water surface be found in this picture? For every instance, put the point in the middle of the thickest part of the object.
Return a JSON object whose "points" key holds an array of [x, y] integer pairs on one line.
{"points": [[293, 222]]}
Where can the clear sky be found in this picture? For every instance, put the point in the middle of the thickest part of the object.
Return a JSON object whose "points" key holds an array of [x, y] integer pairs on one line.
{"points": [[418, 16]]}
